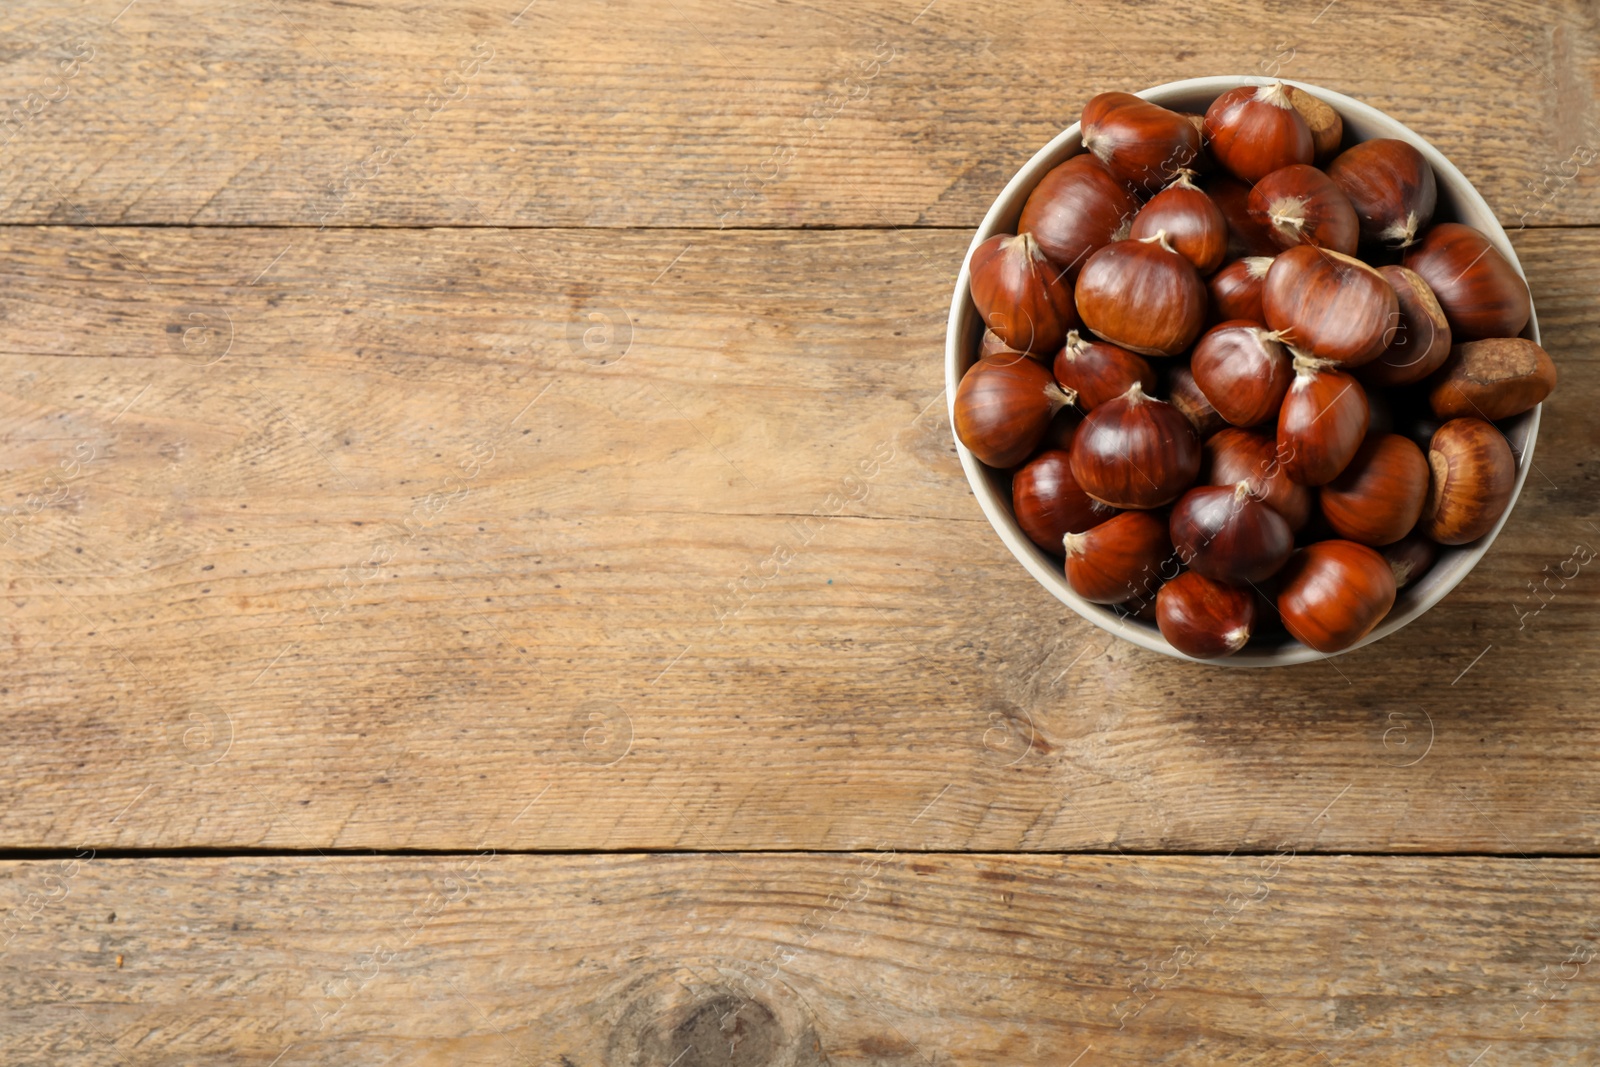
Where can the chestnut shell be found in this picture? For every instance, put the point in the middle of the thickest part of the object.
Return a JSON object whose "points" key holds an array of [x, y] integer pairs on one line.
{"points": [[1049, 504], [1203, 618], [1143, 296], [1480, 291], [1333, 593], [1076, 208], [1135, 452], [1020, 295]]}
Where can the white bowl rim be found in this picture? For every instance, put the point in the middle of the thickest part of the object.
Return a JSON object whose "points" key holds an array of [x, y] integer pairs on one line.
{"points": [[1446, 573]]}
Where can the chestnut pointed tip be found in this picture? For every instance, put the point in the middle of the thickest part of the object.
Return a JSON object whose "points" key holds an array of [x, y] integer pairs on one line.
{"points": [[1276, 94], [1060, 396], [1257, 266], [1236, 638], [1306, 365], [1073, 544], [1402, 234], [1160, 237]]}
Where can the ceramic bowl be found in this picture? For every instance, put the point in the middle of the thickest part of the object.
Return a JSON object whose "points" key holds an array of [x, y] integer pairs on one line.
{"points": [[1458, 201]]}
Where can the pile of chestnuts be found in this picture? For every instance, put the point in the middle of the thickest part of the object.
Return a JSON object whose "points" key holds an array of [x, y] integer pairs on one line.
{"points": [[1243, 382]]}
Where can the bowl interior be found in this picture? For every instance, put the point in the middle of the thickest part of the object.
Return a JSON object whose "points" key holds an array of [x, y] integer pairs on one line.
{"points": [[1458, 202]]}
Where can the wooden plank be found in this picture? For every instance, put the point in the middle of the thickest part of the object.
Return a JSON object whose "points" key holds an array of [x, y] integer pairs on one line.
{"points": [[722, 587], [707, 114], [742, 961]]}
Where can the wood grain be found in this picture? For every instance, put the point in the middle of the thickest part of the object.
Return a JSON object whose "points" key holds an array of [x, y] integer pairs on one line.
{"points": [[708, 114], [744, 961], [721, 586]]}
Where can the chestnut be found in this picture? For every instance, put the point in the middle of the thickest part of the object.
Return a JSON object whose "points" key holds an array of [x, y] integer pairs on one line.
{"points": [[1236, 289], [1331, 305], [1254, 130], [1193, 224], [1227, 533], [1246, 236], [1143, 296], [1002, 410], [1140, 143], [1204, 618], [1322, 422], [1183, 393], [1410, 558], [1097, 371], [1481, 292], [1135, 452], [1334, 593], [1021, 294], [1472, 478], [1076, 207], [1327, 128], [1422, 334], [1492, 379], [1391, 187], [1049, 504], [1243, 369], [1377, 499], [1113, 561], [1299, 204], [1233, 455]]}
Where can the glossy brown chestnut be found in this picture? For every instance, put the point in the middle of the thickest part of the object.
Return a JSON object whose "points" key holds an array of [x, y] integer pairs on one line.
{"points": [[1049, 504], [1492, 379], [1097, 371], [1140, 143], [1183, 393], [1327, 128], [1233, 455], [1331, 305], [1192, 222], [1021, 295], [1246, 236], [1142, 296], [1391, 187], [1377, 499], [1135, 452], [1481, 292], [1203, 618], [1243, 369], [1002, 410], [1299, 204], [1076, 208], [1236, 289], [1227, 533], [1472, 478], [1322, 422], [1112, 561], [1410, 558], [1254, 130], [1334, 593], [1421, 338]]}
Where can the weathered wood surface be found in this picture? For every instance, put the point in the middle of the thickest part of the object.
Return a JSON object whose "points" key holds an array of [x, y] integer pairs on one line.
{"points": [[721, 586], [703, 113], [779, 959]]}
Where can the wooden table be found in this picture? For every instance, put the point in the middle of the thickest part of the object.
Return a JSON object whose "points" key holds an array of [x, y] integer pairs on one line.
{"points": [[488, 579]]}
